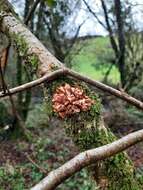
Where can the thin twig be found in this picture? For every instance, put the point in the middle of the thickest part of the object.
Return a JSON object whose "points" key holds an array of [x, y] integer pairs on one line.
{"points": [[51, 76], [35, 164], [94, 14], [27, 19], [47, 77], [122, 95], [86, 158]]}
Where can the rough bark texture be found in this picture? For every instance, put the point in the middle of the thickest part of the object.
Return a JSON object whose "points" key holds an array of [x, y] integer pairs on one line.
{"points": [[28, 45], [87, 131], [85, 128], [121, 39], [83, 159]]}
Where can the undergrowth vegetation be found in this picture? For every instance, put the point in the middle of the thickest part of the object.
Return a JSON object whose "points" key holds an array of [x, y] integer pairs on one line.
{"points": [[49, 146], [49, 149]]}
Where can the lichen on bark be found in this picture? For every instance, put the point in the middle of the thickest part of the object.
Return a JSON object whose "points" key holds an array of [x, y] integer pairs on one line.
{"points": [[5, 6], [87, 131]]}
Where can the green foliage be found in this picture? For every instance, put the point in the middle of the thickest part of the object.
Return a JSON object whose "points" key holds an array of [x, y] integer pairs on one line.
{"points": [[79, 181], [139, 175], [40, 114], [10, 179], [95, 58], [90, 133], [51, 3], [24, 175]]}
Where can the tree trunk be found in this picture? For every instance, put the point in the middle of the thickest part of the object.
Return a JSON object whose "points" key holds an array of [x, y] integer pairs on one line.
{"points": [[121, 40], [88, 131], [85, 128]]}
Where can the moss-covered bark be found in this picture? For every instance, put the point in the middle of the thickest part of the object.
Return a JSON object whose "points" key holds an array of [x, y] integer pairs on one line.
{"points": [[85, 128], [87, 131]]}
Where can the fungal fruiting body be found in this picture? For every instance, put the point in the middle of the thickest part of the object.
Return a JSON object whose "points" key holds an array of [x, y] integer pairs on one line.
{"points": [[68, 100]]}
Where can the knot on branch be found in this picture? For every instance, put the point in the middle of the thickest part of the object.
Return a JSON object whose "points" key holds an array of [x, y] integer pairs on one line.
{"points": [[68, 100]]}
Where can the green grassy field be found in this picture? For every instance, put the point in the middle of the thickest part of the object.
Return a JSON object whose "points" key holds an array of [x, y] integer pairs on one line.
{"points": [[94, 59]]}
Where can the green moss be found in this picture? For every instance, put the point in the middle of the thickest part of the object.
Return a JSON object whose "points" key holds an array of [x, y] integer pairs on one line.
{"points": [[87, 132], [21, 45], [31, 60], [32, 63], [5, 6]]}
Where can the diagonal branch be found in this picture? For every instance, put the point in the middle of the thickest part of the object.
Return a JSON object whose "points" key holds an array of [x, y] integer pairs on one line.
{"points": [[94, 14], [86, 158], [58, 73], [74, 39], [23, 87], [28, 45], [109, 28], [46, 61], [29, 15], [105, 88]]}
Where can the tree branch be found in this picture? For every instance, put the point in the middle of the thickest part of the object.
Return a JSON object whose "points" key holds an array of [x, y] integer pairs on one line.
{"points": [[28, 17], [35, 164], [51, 76], [46, 61], [94, 14], [34, 48], [122, 95], [86, 158], [47, 77], [111, 35], [74, 39]]}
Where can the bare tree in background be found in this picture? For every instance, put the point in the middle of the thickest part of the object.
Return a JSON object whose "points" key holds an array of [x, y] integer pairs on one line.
{"points": [[57, 26], [85, 126], [118, 17]]}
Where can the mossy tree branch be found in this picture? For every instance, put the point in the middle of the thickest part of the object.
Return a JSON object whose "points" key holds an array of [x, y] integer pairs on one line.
{"points": [[37, 55], [60, 72], [85, 128], [28, 45], [84, 159]]}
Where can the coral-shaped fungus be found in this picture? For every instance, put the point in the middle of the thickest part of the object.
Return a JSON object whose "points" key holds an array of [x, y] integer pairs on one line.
{"points": [[68, 100]]}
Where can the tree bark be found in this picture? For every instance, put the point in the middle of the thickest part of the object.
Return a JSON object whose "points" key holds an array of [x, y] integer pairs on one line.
{"points": [[85, 128], [121, 40], [84, 159], [109, 28], [27, 43]]}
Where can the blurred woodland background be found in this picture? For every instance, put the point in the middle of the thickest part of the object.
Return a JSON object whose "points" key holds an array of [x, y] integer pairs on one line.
{"points": [[102, 39]]}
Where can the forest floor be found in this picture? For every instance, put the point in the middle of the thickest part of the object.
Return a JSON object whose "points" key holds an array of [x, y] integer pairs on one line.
{"points": [[24, 163], [50, 149]]}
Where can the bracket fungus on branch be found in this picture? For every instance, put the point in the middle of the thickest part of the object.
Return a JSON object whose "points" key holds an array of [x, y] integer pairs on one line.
{"points": [[68, 100]]}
